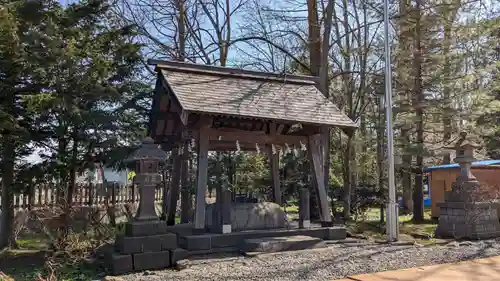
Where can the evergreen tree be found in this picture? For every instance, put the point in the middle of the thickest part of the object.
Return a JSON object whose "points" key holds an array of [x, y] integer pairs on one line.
{"points": [[68, 85]]}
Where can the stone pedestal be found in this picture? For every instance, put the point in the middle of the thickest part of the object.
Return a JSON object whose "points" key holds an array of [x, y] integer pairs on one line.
{"points": [[145, 245], [248, 216], [466, 213], [226, 211], [474, 220], [304, 210]]}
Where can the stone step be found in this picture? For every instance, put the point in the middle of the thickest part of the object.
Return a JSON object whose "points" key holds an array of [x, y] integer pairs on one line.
{"points": [[214, 251], [235, 239], [279, 244]]}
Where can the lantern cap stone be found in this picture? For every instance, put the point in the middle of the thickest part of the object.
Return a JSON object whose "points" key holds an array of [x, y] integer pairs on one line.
{"points": [[464, 143], [147, 151], [469, 144]]}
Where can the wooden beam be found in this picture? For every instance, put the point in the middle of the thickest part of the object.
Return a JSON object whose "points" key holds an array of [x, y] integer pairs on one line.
{"points": [[186, 198], [274, 163], [316, 161], [170, 126], [201, 177], [160, 126], [230, 146], [272, 128], [174, 104], [251, 137], [174, 186], [164, 102], [259, 132], [233, 135], [307, 130], [184, 116], [279, 129]]}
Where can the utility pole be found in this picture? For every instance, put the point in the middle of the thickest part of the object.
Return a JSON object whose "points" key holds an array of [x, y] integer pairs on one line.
{"points": [[392, 218]]}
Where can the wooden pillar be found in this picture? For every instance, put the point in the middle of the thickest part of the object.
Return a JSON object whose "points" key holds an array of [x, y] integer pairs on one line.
{"points": [[316, 155], [166, 186], [185, 193], [201, 180], [174, 187], [274, 163], [167, 179]]}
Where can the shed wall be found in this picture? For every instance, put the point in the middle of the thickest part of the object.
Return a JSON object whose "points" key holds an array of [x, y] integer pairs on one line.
{"points": [[441, 180]]}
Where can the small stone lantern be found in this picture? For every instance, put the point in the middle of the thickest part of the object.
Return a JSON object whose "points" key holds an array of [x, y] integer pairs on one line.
{"points": [[465, 157], [466, 183], [147, 160], [465, 214]]}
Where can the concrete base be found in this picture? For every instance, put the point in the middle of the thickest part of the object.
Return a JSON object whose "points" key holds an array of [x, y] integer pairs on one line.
{"points": [[182, 229], [209, 241], [177, 255], [121, 264], [144, 244], [305, 224], [145, 228], [158, 260], [278, 244], [474, 221]]}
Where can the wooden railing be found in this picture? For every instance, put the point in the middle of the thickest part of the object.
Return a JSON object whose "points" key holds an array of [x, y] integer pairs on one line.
{"points": [[42, 196]]}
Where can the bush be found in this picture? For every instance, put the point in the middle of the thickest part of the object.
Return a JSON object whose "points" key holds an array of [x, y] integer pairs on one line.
{"points": [[363, 197]]}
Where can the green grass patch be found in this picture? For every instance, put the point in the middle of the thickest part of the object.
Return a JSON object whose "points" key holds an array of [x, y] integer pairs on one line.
{"points": [[34, 243], [368, 225], [292, 209]]}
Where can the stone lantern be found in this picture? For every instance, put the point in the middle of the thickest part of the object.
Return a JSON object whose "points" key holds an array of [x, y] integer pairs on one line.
{"points": [[146, 162], [466, 185], [464, 213], [146, 243], [465, 157]]}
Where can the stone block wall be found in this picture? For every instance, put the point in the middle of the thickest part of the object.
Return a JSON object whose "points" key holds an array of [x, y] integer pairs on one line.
{"points": [[145, 245], [468, 220]]}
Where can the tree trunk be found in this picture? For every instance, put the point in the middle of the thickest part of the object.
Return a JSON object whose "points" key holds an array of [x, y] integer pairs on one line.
{"points": [[314, 37], [72, 170], [318, 66], [381, 161], [68, 200], [447, 112], [181, 25], [406, 177], [7, 217], [348, 175], [63, 168], [418, 208], [403, 71]]}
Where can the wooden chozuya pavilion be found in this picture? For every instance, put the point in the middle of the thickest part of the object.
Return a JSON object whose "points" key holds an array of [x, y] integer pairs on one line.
{"points": [[219, 107]]}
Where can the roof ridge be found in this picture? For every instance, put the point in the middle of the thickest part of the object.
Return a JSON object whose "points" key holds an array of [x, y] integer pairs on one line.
{"points": [[232, 72]]}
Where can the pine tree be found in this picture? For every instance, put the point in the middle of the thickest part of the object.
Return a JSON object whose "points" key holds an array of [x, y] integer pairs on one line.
{"points": [[68, 77], [22, 60]]}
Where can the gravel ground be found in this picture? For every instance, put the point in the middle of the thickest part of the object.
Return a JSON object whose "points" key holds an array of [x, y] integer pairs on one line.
{"points": [[334, 262]]}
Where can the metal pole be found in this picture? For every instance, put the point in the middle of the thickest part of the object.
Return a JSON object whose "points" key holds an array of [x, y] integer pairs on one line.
{"points": [[391, 221]]}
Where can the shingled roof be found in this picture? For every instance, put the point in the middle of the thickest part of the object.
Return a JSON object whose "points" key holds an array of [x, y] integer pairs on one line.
{"points": [[234, 92]]}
